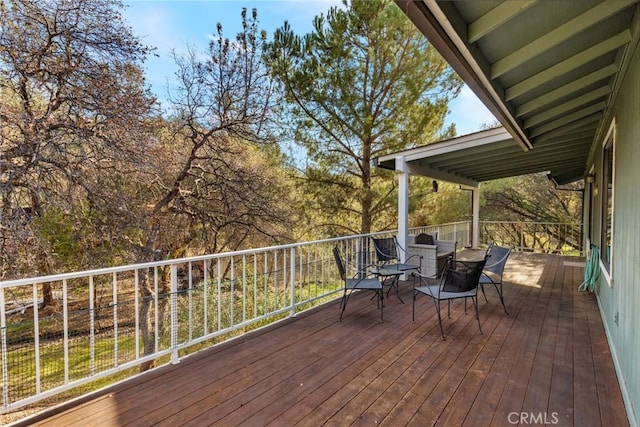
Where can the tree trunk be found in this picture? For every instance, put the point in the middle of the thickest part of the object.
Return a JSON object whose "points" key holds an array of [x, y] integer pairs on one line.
{"points": [[146, 331], [367, 198]]}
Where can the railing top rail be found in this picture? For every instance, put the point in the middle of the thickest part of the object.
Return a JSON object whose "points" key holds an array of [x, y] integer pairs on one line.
{"points": [[162, 263], [531, 222]]}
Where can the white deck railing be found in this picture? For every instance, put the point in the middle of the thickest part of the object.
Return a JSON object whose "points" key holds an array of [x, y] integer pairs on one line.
{"points": [[108, 321]]}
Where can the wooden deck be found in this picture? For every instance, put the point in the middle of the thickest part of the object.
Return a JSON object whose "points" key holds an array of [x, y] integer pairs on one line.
{"points": [[547, 361]]}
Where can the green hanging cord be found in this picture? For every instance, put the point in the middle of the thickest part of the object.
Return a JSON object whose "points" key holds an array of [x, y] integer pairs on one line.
{"points": [[591, 271]]}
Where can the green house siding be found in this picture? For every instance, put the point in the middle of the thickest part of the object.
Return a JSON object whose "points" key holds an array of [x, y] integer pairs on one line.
{"points": [[620, 303]]}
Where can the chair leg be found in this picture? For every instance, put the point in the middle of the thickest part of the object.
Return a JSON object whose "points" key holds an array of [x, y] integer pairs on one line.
{"points": [[483, 293], [499, 289], [413, 312], [343, 304], [475, 303], [437, 302]]}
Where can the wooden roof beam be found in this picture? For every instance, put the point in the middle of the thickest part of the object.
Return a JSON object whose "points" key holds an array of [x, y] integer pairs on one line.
{"points": [[558, 35], [567, 106], [568, 64], [567, 89], [496, 17], [577, 115]]}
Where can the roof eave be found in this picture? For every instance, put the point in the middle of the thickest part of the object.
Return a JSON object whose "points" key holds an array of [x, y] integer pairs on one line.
{"points": [[437, 27]]}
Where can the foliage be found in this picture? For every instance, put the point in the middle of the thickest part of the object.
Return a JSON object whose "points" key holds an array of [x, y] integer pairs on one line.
{"points": [[449, 204], [71, 86], [534, 198], [531, 198], [365, 82], [90, 177], [226, 181]]}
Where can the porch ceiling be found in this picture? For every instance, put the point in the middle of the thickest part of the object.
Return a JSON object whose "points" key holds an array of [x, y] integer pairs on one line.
{"points": [[548, 70], [493, 154]]}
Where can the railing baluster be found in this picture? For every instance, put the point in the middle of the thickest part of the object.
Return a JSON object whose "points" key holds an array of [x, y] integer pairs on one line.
{"points": [[292, 279], [275, 280], [301, 271], [114, 290], [173, 301], [190, 303], [315, 269], [3, 341], [65, 323], [307, 271], [156, 308], [92, 327], [233, 292], [219, 293], [266, 282], [255, 285], [244, 288], [36, 336], [136, 304], [205, 299]]}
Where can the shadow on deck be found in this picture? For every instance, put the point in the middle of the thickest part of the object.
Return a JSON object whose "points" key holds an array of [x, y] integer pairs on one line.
{"points": [[547, 361]]}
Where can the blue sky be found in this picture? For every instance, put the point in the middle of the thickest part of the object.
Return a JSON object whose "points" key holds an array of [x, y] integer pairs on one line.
{"points": [[174, 24]]}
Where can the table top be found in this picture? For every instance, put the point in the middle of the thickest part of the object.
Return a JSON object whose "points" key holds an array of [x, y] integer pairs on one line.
{"points": [[389, 271]]}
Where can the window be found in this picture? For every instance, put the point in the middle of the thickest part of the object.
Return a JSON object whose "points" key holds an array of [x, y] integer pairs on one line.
{"points": [[607, 200]]}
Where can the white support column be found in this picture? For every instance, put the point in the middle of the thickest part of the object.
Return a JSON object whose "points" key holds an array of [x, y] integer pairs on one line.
{"points": [[475, 237], [403, 205], [587, 194]]}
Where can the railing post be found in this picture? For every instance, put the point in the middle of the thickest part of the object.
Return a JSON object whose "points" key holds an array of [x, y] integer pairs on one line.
{"points": [[174, 314], [292, 280], [455, 232], [359, 259]]}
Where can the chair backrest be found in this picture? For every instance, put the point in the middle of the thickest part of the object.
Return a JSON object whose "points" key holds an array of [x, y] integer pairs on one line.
{"points": [[425, 239], [462, 276], [340, 263], [386, 249], [499, 255]]}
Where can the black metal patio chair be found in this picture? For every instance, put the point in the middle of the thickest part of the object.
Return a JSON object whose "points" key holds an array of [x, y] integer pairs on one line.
{"points": [[458, 280], [494, 269], [387, 255], [361, 281]]}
